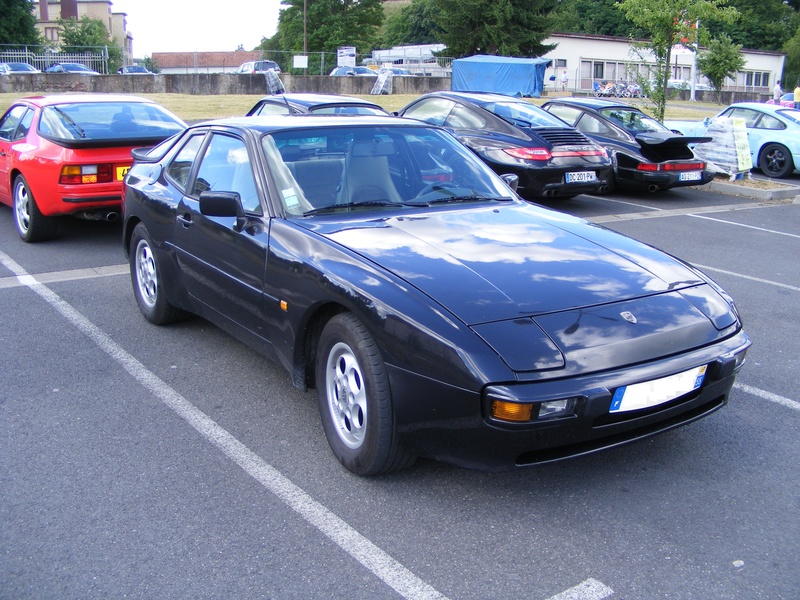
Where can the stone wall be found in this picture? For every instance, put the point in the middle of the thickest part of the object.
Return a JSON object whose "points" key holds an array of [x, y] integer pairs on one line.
{"points": [[208, 84]]}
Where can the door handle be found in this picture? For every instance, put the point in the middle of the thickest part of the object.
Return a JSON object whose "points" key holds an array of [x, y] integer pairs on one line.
{"points": [[185, 220]]}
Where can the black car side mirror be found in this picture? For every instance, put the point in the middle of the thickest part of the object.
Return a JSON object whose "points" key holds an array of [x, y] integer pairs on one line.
{"points": [[223, 204], [511, 180]]}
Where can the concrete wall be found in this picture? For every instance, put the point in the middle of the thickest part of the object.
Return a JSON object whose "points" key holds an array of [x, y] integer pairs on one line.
{"points": [[208, 84]]}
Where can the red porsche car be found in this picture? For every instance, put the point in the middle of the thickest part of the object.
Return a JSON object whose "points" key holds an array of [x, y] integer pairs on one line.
{"points": [[68, 154]]}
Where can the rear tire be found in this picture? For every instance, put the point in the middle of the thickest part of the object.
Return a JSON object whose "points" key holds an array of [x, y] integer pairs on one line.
{"points": [[32, 225], [776, 161], [146, 279], [355, 401]]}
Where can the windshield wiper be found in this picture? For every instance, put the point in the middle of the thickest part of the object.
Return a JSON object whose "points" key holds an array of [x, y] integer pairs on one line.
{"points": [[471, 198], [361, 204], [69, 120]]}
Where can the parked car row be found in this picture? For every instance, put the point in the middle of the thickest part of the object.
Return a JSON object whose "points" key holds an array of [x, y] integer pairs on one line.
{"points": [[569, 146], [385, 264]]}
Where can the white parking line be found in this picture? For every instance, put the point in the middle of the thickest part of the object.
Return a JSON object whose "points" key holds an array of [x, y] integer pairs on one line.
{"points": [[746, 226], [591, 589], [380, 563], [794, 288], [386, 568], [71, 275], [749, 389]]}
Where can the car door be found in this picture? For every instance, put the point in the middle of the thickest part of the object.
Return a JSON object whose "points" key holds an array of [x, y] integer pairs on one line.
{"points": [[224, 265], [14, 128]]}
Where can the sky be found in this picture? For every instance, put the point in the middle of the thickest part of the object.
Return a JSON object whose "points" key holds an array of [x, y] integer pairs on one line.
{"points": [[197, 25]]}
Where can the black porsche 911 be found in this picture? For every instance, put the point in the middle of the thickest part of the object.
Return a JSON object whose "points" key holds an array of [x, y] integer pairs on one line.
{"points": [[646, 154], [511, 135], [436, 313]]}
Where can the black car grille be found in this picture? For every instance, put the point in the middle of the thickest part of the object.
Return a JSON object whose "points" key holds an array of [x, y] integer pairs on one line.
{"points": [[563, 137]]}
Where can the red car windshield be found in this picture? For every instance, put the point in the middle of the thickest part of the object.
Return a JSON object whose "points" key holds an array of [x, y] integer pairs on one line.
{"points": [[88, 121]]}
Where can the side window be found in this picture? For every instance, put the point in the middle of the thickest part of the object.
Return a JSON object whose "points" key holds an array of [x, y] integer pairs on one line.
{"points": [[770, 122], [181, 166], [225, 167], [750, 116], [433, 111], [272, 108], [24, 126], [565, 113], [11, 120], [462, 117], [591, 124]]}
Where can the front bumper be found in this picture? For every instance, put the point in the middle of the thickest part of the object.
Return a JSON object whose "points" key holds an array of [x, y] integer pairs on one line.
{"points": [[452, 425]]}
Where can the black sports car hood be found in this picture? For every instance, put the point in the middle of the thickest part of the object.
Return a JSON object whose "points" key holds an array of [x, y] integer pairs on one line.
{"points": [[500, 262]]}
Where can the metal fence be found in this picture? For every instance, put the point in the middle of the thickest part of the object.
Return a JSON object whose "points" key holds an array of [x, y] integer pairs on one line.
{"points": [[42, 57]]}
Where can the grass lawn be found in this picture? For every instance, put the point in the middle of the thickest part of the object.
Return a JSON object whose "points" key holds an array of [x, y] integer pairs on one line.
{"points": [[195, 108]]}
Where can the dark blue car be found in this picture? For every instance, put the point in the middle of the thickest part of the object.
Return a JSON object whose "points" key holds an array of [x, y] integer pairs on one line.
{"points": [[435, 312], [646, 155]]}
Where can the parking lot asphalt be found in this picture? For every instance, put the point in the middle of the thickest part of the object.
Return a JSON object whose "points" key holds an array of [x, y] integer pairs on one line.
{"points": [[173, 462]]}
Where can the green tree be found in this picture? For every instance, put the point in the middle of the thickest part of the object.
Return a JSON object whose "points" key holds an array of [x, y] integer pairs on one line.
{"points": [[669, 22], [148, 63], [595, 17], [413, 24], [763, 25], [791, 68], [89, 35], [18, 24], [329, 24], [500, 27], [722, 59]]}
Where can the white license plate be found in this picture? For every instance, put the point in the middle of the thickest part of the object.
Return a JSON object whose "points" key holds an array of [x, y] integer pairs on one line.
{"points": [[690, 176], [658, 391], [581, 177]]}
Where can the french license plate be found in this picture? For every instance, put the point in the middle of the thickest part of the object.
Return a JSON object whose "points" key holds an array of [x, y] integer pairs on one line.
{"points": [[121, 172], [581, 177], [690, 176], [657, 391]]}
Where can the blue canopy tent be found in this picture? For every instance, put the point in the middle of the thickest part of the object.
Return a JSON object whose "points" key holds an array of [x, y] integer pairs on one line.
{"points": [[500, 74]]}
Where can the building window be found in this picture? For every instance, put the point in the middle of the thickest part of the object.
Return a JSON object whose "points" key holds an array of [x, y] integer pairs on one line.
{"points": [[561, 63], [51, 34], [598, 70]]}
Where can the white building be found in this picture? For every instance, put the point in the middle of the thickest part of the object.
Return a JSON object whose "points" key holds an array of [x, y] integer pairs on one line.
{"points": [[593, 58]]}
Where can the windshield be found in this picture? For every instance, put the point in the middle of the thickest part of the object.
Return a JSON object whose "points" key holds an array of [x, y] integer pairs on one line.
{"points": [[522, 113], [335, 169], [633, 121], [108, 121]]}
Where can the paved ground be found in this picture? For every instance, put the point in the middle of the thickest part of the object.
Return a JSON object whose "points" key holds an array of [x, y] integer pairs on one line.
{"points": [[147, 462]]}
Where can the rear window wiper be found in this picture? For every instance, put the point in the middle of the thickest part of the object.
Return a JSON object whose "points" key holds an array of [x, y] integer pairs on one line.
{"points": [[71, 122]]}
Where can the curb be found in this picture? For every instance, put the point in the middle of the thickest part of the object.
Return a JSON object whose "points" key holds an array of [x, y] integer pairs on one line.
{"points": [[783, 193]]}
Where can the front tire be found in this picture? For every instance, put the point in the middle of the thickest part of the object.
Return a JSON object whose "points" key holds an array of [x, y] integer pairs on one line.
{"points": [[32, 225], [776, 161], [146, 279], [354, 399]]}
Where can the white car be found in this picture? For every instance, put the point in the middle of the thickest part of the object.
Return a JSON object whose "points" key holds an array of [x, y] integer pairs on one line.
{"points": [[773, 133], [258, 66]]}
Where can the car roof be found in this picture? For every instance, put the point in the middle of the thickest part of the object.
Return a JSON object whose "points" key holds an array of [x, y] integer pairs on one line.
{"points": [[54, 99], [273, 123], [310, 99], [476, 97], [595, 103]]}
